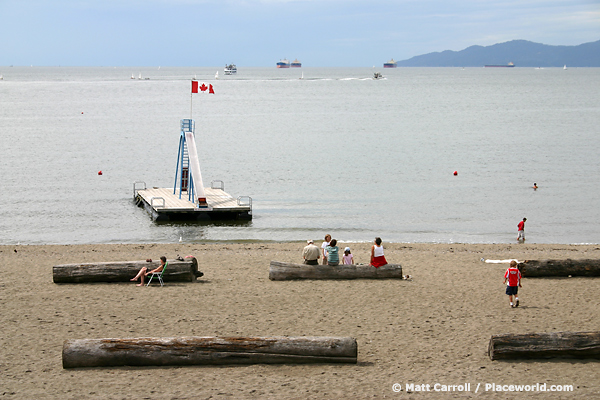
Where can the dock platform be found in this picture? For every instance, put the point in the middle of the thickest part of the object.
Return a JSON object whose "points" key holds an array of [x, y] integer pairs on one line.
{"points": [[189, 200], [163, 205]]}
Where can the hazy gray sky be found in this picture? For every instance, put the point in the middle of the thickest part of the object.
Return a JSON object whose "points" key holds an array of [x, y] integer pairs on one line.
{"points": [[259, 33]]}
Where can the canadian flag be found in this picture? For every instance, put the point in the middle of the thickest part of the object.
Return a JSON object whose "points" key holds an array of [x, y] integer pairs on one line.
{"points": [[203, 88]]}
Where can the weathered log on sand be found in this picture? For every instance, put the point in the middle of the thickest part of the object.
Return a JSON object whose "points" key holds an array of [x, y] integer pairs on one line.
{"points": [[539, 268], [280, 271], [193, 350], [123, 271], [545, 345]]}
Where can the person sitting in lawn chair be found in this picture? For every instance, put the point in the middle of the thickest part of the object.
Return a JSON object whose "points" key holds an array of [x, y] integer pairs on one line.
{"points": [[144, 271]]}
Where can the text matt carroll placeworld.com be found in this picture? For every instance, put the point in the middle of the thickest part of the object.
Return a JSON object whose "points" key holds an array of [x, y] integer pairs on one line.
{"points": [[488, 387]]}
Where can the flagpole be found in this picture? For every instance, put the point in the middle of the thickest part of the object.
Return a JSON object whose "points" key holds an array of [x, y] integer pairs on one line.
{"points": [[191, 104]]}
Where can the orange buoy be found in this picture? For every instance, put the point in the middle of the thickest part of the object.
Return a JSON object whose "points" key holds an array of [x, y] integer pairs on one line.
{"points": [[455, 173]]}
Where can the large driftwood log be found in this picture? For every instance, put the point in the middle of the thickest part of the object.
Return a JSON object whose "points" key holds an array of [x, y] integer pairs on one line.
{"points": [[539, 268], [280, 271], [123, 271], [545, 345], [194, 350]]}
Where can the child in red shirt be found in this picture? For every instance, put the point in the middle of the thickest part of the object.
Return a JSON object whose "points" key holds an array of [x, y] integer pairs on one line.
{"points": [[513, 276]]}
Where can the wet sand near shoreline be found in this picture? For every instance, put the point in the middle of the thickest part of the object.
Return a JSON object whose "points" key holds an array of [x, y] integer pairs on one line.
{"points": [[434, 328]]}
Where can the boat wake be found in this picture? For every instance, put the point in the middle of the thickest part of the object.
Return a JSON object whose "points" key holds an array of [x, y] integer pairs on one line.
{"points": [[355, 79]]}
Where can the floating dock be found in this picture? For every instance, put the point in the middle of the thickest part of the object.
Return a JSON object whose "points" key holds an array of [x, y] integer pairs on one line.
{"points": [[188, 200], [165, 206]]}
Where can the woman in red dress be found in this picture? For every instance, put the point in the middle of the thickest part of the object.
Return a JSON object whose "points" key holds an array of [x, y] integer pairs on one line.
{"points": [[377, 257]]}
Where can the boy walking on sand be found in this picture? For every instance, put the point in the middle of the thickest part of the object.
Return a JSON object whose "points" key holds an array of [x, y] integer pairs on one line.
{"points": [[513, 276]]}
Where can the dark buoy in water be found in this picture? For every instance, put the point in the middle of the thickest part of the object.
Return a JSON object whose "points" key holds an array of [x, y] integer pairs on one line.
{"points": [[99, 172], [455, 173]]}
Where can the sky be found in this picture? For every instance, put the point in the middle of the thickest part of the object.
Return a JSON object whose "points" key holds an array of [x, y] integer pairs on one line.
{"points": [[258, 33]]}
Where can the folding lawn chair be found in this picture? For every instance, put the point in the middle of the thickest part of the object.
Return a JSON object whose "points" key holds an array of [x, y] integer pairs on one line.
{"points": [[158, 275]]}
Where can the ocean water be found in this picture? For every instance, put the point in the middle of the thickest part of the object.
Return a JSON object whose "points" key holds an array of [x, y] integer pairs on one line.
{"points": [[335, 152]]}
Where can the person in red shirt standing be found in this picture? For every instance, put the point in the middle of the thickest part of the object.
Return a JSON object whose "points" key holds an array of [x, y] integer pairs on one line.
{"points": [[513, 276], [521, 233]]}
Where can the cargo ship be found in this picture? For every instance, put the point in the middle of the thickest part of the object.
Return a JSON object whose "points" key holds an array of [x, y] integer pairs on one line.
{"points": [[390, 64], [283, 63], [296, 64], [509, 65]]}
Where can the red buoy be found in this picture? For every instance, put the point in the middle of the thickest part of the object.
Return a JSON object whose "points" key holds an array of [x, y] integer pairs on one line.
{"points": [[455, 173], [99, 172]]}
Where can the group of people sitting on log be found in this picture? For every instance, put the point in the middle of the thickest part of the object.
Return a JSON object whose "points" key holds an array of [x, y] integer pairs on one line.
{"points": [[330, 253]]}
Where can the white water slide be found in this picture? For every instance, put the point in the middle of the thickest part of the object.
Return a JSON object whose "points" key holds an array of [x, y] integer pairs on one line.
{"points": [[195, 166]]}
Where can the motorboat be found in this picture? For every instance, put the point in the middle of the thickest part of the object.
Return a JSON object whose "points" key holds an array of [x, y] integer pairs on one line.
{"points": [[230, 69]]}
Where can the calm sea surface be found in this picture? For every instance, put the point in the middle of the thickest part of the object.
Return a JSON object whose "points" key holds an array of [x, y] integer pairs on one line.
{"points": [[335, 152]]}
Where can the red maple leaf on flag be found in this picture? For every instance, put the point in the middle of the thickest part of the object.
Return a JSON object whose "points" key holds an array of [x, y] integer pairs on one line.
{"points": [[203, 87]]}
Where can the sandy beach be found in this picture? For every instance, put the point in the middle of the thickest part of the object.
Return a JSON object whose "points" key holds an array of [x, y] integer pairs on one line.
{"points": [[434, 328]]}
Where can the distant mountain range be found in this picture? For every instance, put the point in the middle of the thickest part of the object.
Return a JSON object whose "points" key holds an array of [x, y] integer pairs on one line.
{"points": [[520, 52]]}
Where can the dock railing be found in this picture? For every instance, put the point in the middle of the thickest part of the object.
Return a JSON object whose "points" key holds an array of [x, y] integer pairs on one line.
{"points": [[136, 189], [157, 198], [244, 201], [213, 185]]}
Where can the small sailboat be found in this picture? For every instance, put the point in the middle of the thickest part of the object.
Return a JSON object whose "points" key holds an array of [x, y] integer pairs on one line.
{"points": [[217, 75], [565, 67], [1, 77], [140, 77], [132, 77]]}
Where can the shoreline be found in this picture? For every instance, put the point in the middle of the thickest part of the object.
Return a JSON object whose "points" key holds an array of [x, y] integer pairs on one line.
{"points": [[260, 241], [433, 328]]}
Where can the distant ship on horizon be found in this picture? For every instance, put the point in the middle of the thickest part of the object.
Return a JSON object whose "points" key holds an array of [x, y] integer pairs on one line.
{"points": [[283, 63], [296, 64], [509, 65], [390, 64]]}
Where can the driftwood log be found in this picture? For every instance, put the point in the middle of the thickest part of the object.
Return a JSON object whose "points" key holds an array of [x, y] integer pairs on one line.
{"points": [[545, 345], [194, 350], [541, 268], [123, 271], [280, 271]]}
